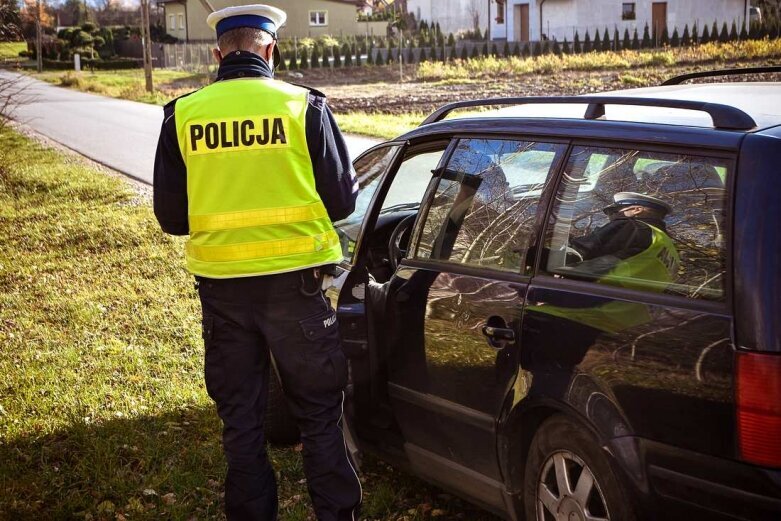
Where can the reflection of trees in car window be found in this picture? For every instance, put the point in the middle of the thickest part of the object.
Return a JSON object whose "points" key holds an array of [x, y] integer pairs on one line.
{"points": [[694, 188], [483, 211], [369, 170]]}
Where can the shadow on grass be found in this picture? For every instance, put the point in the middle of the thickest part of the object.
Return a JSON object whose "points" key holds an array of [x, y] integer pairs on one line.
{"points": [[166, 466]]}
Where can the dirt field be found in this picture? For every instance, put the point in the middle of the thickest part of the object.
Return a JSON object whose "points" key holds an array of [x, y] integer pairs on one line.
{"points": [[377, 90]]}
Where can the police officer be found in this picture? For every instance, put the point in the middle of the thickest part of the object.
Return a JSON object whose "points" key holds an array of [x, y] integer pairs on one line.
{"points": [[255, 170], [633, 246]]}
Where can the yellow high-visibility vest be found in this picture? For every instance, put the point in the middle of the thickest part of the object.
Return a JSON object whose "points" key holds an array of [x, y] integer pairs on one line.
{"points": [[253, 208], [652, 269]]}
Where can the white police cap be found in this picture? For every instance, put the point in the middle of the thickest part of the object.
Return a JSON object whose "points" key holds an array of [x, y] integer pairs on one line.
{"points": [[259, 16], [623, 199]]}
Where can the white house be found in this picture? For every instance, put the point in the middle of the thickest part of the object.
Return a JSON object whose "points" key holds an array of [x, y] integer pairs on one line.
{"points": [[531, 20], [452, 15]]}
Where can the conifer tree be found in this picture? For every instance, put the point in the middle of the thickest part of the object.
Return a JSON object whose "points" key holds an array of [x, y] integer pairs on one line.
{"points": [[358, 53], [370, 55], [695, 34], [597, 41], [494, 51], [635, 40], [606, 41], [314, 58], [348, 55], [475, 52], [705, 35], [587, 42], [646, 43], [485, 49], [380, 58], [451, 40], [566, 48], [517, 49], [422, 57], [743, 33], [506, 50], [337, 57], [675, 41], [464, 55], [304, 61], [627, 43], [714, 32], [453, 53], [293, 63], [733, 33], [576, 44], [686, 39], [724, 35], [665, 41]]}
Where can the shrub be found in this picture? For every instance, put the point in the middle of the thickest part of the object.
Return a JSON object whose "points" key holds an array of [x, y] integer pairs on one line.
{"points": [[705, 35], [453, 53], [646, 43], [517, 49], [82, 38], [464, 55], [89, 27], [451, 40], [506, 50], [423, 56], [733, 33], [627, 43], [576, 44], [314, 58], [597, 42], [635, 41], [357, 53], [348, 55], [695, 34], [724, 35], [616, 40], [565, 48], [686, 38], [675, 41], [494, 51], [743, 32], [485, 49], [475, 52], [606, 41], [665, 41], [337, 57], [587, 42]]}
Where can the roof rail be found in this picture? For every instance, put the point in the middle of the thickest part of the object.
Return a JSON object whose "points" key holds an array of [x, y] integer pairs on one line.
{"points": [[677, 80], [723, 116]]}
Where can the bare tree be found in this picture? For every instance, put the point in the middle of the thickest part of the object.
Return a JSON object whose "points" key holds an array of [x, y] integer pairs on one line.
{"points": [[474, 10]]}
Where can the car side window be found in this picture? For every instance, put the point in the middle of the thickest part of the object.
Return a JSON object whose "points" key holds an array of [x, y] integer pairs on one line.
{"points": [[484, 208], [369, 171], [641, 220]]}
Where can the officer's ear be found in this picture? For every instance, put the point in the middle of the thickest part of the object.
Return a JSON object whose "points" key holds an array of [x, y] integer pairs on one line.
{"points": [[217, 55]]}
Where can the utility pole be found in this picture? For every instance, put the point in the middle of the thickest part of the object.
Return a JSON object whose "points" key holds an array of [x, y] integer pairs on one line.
{"points": [[146, 40], [38, 36]]}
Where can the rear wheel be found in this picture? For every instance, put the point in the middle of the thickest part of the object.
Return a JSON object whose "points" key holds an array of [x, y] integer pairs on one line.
{"points": [[279, 424], [567, 477]]}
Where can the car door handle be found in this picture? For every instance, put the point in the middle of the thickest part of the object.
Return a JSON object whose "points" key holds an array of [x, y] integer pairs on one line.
{"points": [[499, 334]]}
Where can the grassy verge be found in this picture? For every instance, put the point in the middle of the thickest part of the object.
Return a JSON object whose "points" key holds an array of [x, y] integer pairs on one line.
{"points": [[128, 84], [386, 126], [103, 413], [11, 50], [548, 63]]}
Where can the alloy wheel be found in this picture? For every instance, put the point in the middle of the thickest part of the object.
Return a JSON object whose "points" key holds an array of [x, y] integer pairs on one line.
{"points": [[567, 490]]}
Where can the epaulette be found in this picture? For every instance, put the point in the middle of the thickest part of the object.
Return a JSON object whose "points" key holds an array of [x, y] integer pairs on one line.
{"points": [[310, 89], [171, 103]]}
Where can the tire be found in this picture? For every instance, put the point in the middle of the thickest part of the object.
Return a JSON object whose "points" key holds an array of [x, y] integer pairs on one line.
{"points": [[279, 425], [559, 444]]}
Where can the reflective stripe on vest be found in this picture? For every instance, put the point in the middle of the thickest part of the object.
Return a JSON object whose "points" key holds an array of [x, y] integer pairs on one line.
{"points": [[252, 201]]}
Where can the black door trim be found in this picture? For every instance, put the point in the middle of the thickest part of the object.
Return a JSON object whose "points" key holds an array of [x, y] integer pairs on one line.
{"points": [[443, 407]]}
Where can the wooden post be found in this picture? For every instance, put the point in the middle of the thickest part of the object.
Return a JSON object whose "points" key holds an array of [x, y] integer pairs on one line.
{"points": [[146, 40], [38, 37]]}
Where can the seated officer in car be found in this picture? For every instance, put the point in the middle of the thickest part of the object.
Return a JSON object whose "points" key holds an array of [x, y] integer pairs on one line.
{"points": [[633, 248]]}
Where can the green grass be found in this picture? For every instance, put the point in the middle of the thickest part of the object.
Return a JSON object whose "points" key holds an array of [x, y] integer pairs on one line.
{"points": [[386, 126], [128, 84], [11, 50], [103, 411]]}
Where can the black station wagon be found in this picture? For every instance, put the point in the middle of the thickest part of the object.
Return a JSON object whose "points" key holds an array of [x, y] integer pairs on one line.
{"points": [[489, 356]]}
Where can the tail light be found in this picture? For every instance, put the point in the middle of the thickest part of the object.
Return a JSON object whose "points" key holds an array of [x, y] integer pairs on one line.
{"points": [[759, 408]]}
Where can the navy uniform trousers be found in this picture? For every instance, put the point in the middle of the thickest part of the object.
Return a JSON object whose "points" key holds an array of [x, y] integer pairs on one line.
{"points": [[243, 320]]}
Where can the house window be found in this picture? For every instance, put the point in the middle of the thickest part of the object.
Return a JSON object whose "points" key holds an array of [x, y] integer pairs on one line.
{"points": [[318, 17], [628, 11], [499, 12], [172, 21], [181, 21]]}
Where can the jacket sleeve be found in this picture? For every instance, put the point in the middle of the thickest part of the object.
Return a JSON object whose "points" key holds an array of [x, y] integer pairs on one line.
{"points": [[334, 175], [170, 179]]}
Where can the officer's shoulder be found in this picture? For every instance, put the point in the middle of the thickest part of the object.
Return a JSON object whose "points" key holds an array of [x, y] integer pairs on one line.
{"points": [[171, 104], [316, 98]]}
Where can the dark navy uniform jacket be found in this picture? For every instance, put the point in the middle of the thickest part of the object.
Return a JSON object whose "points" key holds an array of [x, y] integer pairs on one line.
{"points": [[334, 176]]}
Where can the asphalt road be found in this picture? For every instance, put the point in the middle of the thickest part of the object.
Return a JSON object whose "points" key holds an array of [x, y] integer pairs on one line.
{"points": [[117, 133]]}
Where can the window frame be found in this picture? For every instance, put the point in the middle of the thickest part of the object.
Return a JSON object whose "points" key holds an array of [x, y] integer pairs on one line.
{"points": [[172, 22], [524, 273], [631, 15], [543, 279], [181, 21], [500, 7], [317, 12]]}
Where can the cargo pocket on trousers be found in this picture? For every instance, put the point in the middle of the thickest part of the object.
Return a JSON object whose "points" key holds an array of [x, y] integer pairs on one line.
{"points": [[214, 374], [323, 360]]}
